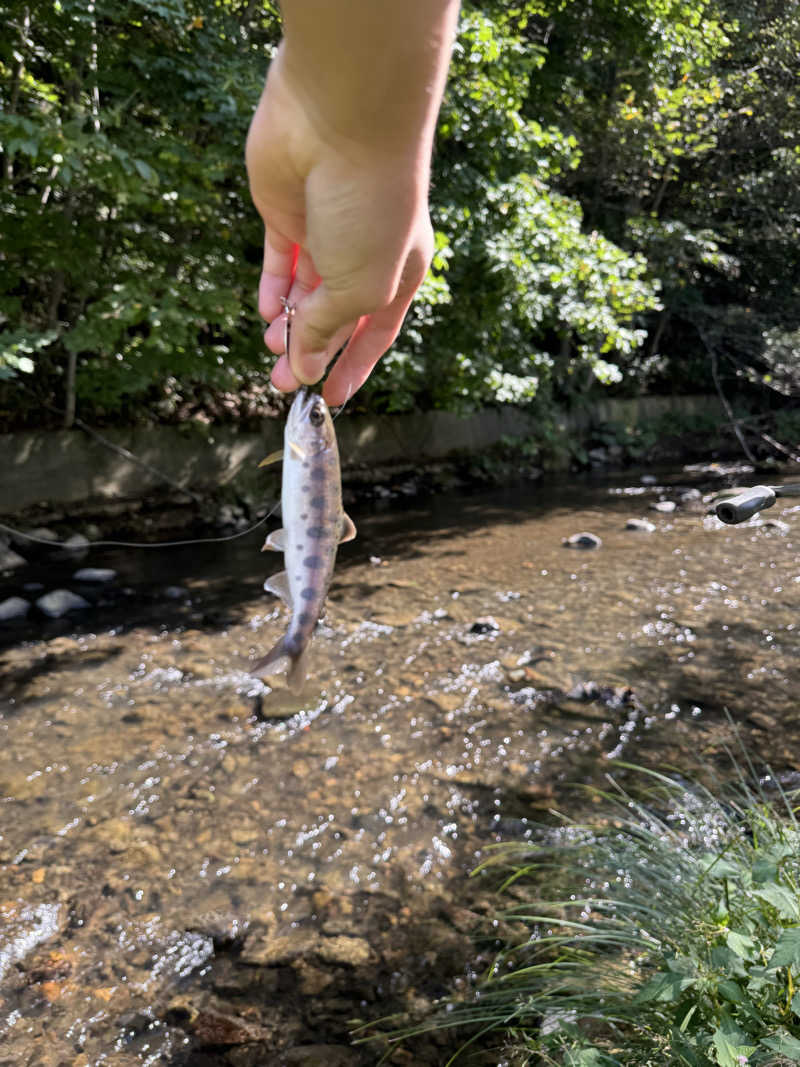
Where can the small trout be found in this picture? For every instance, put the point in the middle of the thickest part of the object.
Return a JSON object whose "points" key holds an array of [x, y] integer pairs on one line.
{"points": [[314, 524]]}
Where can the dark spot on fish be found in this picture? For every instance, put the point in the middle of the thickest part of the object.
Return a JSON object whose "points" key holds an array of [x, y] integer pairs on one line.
{"points": [[316, 532], [317, 501], [308, 593], [305, 618], [313, 563], [293, 645], [300, 548], [306, 464], [304, 515], [318, 473]]}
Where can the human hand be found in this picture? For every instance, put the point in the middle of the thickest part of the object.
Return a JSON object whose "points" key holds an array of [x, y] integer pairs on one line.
{"points": [[348, 239], [338, 157]]}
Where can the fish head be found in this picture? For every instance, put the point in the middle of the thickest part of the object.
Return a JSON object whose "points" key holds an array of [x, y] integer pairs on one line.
{"points": [[310, 426]]}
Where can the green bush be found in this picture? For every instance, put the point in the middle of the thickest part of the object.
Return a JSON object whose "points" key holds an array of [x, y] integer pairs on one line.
{"points": [[674, 937]]}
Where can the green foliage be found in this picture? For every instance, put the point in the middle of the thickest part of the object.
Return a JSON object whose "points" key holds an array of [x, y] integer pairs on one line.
{"points": [[126, 235], [531, 294], [616, 198], [676, 937]]}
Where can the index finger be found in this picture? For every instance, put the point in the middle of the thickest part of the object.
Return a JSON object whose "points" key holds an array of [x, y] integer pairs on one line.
{"points": [[277, 273]]}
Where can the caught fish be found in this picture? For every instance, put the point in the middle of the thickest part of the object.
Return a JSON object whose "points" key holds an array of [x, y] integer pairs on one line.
{"points": [[314, 524]]}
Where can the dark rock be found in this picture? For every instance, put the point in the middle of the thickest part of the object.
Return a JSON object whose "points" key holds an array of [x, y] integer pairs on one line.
{"points": [[582, 540], [598, 457], [486, 624], [37, 535], [175, 592]]}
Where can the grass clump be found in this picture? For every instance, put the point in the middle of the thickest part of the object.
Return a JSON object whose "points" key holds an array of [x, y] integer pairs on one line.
{"points": [[670, 934]]}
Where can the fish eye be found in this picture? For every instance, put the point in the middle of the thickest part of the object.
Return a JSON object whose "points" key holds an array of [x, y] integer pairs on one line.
{"points": [[316, 415]]}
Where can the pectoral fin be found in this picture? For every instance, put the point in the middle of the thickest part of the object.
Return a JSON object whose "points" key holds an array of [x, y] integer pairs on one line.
{"points": [[276, 541], [348, 528], [279, 585], [273, 457]]}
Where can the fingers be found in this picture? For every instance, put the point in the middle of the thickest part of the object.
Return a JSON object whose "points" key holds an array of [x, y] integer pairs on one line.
{"points": [[283, 377], [305, 279], [324, 320], [280, 262], [371, 339]]}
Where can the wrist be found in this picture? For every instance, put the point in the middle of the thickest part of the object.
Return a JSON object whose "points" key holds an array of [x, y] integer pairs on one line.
{"points": [[369, 73]]}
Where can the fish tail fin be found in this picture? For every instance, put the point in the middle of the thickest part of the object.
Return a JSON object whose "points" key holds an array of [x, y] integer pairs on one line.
{"points": [[275, 655], [298, 671], [298, 664]]}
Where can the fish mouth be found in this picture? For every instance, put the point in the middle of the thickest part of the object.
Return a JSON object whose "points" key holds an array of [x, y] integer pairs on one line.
{"points": [[300, 405]]}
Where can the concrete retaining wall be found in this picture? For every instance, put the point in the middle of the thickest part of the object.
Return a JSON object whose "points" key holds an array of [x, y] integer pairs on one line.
{"points": [[67, 466]]}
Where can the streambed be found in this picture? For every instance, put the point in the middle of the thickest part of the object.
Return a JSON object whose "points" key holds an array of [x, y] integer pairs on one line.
{"points": [[198, 868]]}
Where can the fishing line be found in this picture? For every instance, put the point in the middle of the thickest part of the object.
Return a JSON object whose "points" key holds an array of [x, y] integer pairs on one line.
{"points": [[140, 544]]}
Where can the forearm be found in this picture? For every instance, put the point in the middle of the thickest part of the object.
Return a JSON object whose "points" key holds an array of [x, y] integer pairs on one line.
{"points": [[370, 71]]}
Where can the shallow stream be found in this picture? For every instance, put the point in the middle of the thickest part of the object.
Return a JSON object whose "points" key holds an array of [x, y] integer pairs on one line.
{"points": [[198, 868]]}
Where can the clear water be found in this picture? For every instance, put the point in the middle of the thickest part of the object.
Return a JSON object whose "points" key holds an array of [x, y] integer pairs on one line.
{"points": [[158, 804]]}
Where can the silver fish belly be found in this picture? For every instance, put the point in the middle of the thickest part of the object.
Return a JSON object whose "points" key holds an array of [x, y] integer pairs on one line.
{"points": [[314, 524]]}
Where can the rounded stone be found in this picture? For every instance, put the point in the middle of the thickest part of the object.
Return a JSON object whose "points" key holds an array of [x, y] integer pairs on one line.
{"points": [[15, 607], [640, 525], [11, 560], [95, 574], [59, 602], [583, 540]]}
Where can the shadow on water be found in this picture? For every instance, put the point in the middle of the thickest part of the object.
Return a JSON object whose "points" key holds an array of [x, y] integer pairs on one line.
{"points": [[201, 868]]}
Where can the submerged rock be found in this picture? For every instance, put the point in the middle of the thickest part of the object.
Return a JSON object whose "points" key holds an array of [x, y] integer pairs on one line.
{"points": [[776, 524], [486, 624], [95, 574], [15, 607], [640, 525], [664, 506], [26, 538], [11, 560], [59, 602], [350, 951], [582, 540], [76, 543]]}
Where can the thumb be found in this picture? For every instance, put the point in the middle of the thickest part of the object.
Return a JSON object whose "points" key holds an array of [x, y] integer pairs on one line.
{"points": [[322, 322]]}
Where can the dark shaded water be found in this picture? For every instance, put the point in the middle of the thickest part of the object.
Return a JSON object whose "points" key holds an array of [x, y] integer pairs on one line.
{"points": [[195, 867]]}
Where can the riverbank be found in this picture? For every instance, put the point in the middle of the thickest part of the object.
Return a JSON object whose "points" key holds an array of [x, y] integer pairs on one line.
{"points": [[73, 472]]}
